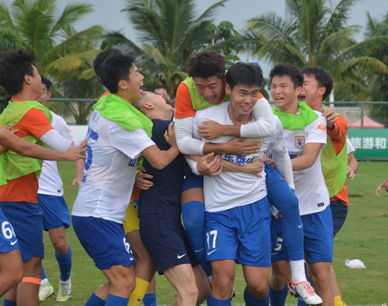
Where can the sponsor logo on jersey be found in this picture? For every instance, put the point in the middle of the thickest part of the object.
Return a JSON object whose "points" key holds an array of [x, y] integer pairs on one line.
{"points": [[322, 126], [299, 141]]}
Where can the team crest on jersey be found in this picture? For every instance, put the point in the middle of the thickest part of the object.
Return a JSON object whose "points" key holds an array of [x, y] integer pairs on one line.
{"points": [[259, 142], [299, 141]]}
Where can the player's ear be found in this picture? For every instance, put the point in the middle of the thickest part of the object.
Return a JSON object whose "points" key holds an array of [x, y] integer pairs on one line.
{"points": [[298, 90], [228, 90], [123, 84], [27, 79], [148, 105], [49, 95], [321, 91]]}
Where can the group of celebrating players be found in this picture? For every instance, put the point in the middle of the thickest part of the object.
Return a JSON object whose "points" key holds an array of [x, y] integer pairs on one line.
{"points": [[223, 179]]}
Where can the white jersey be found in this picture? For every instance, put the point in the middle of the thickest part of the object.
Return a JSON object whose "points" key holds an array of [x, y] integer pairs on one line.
{"points": [[110, 169], [231, 189], [310, 187], [50, 182]]}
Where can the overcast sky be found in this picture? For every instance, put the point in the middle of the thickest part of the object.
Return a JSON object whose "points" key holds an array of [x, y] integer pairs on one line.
{"points": [[107, 13]]}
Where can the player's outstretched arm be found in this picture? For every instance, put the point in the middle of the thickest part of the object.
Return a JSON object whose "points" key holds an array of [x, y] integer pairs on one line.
{"points": [[160, 159], [24, 148], [310, 155]]}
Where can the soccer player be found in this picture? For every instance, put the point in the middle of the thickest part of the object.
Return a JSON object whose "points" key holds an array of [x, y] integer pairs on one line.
{"points": [[205, 87], [11, 265], [317, 86], [305, 135], [118, 134], [56, 217], [159, 211], [18, 199], [237, 219], [144, 265]]}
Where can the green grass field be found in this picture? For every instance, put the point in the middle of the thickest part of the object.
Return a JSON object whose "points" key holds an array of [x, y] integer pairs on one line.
{"points": [[364, 236]]}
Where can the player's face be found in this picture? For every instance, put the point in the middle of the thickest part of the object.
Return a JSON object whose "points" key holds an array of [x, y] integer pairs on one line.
{"points": [[283, 92], [242, 99], [134, 84], [160, 103], [311, 90], [212, 89], [162, 92], [45, 96], [36, 82]]}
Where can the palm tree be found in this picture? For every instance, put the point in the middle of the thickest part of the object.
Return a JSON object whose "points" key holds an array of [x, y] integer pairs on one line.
{"points": [[376, 85], [315, 35], [169, 31], [62, 53]]}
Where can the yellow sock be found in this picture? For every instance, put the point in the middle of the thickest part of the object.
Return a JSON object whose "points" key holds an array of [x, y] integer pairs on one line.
{"points": [[338, 301], [139, 292]]}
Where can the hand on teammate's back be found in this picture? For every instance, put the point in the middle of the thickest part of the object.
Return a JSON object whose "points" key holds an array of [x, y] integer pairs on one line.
{"points": [[142, 179], [209, 165], [77, 152], [169, 135], [210, 130], [330, 116]]}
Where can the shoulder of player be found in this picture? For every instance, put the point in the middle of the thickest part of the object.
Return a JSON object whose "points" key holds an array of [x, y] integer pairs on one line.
{"points": [[215, 109]]}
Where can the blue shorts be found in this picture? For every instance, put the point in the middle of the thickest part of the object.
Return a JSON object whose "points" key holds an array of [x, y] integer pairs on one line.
{"points": [[271, 175], [318, 237], [55, 211], [166, 241], [104, 241], [8, 240], [241, 233], [26, 219], [192, 180], [340, 212]]}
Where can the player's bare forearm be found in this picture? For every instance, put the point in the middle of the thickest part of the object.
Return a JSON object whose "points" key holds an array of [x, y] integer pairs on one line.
{"points": [[352, 165], [2, 149], [160, 159], [307, 160], [79, 166]]}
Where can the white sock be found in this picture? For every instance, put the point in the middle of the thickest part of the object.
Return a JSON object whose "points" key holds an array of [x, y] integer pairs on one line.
{"points": [[298, 273]]}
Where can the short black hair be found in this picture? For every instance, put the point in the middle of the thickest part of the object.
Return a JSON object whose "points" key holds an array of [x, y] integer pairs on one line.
{"points": [[206, 64], [46, 82], [245, 74], [323, 77], [100, 59], [115, 69], [290, 70], [14, 65], [158, 86]]}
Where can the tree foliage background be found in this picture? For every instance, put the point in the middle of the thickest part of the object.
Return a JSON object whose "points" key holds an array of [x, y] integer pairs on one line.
{"points": [[168, 31]]}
